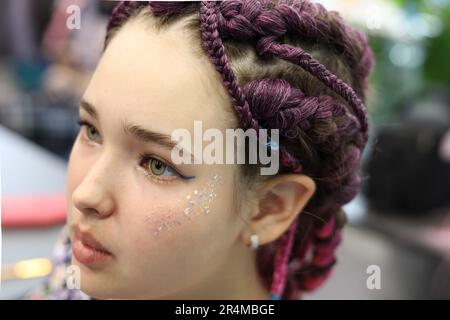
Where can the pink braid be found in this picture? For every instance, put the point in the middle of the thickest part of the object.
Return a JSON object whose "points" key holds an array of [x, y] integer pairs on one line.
{"points": [[281, 262]]}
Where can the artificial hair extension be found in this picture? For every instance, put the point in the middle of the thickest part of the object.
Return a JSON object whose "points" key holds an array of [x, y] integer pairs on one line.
{"points": [[281, 262], [216, 51], [275, 103], [307, 62]]}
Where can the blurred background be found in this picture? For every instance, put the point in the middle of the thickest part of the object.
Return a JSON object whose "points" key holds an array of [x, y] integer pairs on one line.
{"points": [[398, 226]]}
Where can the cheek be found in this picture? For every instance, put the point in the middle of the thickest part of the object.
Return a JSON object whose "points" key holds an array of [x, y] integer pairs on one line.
{"points": [[194, 205], [164, 212], [188, 228]]}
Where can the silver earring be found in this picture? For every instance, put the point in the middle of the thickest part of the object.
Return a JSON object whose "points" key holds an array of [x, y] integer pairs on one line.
{"points": [[254, 240]]}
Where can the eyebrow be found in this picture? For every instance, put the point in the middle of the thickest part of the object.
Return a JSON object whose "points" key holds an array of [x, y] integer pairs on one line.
{"points": [[145, 135], [136, 131], [89, 108]]}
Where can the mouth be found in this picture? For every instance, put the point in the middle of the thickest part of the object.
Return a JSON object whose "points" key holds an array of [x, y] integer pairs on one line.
{"points": [[87, 249]]}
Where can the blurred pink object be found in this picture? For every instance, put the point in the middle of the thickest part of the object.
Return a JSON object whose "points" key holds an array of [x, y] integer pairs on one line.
{"points": [[33, 210]]}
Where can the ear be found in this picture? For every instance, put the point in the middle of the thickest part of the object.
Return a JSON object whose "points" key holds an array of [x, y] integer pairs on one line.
{"points": [[279, 202]]}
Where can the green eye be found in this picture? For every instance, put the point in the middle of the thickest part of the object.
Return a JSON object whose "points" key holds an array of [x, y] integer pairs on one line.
{"points": [[157, 167], [92, 133]]}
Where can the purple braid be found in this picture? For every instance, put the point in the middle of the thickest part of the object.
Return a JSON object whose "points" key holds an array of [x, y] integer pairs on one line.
{"points": [[298, 56], [216, 51], [276, 103]]}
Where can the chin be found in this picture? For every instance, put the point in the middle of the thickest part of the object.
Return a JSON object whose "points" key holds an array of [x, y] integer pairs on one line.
{"points": [[104, 289], [98, 291]]}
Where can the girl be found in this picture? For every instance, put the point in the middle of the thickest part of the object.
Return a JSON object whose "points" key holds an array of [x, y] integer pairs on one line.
{"points": [[142, 227]]}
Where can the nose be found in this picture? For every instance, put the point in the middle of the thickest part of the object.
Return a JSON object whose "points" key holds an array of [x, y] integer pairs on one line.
{"points": [[94, 196]]}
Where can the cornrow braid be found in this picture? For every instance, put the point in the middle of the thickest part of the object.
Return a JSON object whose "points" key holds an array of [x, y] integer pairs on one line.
{"points": [[259, 19], [248, 20], [214, 47], [302, 258], [307, 62]]}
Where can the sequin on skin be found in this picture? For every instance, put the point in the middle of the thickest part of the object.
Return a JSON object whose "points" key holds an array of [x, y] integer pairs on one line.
{"points": [[165, 223], [199, 198], [203, 198]]}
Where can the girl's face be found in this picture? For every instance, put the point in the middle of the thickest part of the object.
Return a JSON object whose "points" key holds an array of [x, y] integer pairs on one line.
{"points": [[122, 189]]}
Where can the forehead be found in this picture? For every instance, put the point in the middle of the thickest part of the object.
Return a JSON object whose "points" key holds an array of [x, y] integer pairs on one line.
{"points": [[147, 75]]}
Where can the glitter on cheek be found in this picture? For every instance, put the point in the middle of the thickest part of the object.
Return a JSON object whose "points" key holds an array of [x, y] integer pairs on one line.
{"points": [[199, 202], [164, 223], [202, 198]]}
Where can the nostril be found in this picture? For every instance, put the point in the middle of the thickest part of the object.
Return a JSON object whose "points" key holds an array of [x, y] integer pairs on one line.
{"points": [[92, 211]]}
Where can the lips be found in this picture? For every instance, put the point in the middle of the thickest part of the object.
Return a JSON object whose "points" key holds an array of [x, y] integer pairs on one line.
{"points": [[87, 249]]}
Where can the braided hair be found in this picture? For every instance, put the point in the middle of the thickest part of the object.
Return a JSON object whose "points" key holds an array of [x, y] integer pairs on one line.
{"points": [[267, 53]]}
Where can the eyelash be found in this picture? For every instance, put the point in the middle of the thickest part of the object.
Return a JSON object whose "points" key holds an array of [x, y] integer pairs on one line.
{"points": [[83, 123], [144, 157]]}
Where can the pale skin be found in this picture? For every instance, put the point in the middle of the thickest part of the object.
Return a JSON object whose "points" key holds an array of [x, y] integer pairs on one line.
{"points": [[155, 81]]}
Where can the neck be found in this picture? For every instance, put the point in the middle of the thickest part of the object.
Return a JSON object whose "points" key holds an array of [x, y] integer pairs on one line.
{"points": [[236, 279]]}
